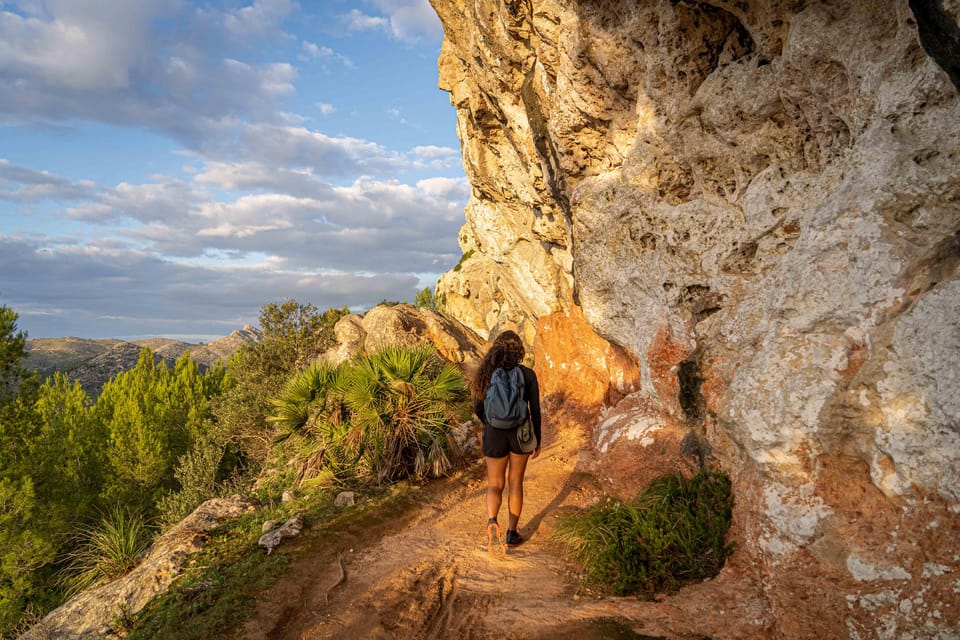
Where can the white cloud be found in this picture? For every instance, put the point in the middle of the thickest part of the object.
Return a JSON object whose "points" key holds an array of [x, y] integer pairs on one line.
{"points": [[153, 63], [312, 51], [368, 225], [97, 292], [434, 152], [271, 79], [396, 114], [359, 21], [457, 189], [411, 20], [250, 176], [435, 157], [407, 20], [285, 146], [169, 201], [22, 184], [78, 46], [325, 108], [258, 20]]}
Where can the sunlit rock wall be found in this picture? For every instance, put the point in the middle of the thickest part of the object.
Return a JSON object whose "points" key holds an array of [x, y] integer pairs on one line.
{"points": [[759, 202]]}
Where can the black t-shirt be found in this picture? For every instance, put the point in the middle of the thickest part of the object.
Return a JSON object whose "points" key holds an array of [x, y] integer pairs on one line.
{"points": [[531, 392]]}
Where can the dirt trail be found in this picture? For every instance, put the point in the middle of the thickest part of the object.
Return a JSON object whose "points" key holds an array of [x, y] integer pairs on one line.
{"points": [[427, 574]]}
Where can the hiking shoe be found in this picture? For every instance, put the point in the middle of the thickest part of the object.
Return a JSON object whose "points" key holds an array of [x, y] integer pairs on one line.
{"points": [[514, 539], [495, 544]]}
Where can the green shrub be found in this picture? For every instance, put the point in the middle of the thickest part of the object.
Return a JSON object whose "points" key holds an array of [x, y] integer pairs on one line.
{"points": [[294, 335], [106, 551], [382, 416], [196, 474], [311, 392], [401, 409], [672, 534], [424, 299], [464, 258]]}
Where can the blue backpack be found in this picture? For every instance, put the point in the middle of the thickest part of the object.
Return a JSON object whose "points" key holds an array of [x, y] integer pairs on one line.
{"points": [[504, 406]]}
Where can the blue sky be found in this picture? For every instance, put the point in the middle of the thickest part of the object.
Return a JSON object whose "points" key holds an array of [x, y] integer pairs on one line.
{"points": [[166, 167]]}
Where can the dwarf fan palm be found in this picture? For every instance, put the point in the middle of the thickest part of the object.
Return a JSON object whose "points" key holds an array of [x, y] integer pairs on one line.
{"points": [[310, 393], [400, 403]]}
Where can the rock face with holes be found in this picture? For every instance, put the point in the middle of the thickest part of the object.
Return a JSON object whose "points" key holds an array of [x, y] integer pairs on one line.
{"points": [[759, 202]]}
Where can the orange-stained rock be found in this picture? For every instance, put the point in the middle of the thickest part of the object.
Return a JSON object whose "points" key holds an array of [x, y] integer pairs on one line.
{"points": [[664, 356], [579, 371], [588, 381], [635, 442]]}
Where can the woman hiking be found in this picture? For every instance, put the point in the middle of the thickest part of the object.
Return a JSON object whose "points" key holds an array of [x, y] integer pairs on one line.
{"points": [[503, 453]]}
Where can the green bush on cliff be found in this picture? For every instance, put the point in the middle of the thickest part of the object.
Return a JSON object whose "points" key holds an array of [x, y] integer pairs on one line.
{"points": [[466, 256], [672, 534]]}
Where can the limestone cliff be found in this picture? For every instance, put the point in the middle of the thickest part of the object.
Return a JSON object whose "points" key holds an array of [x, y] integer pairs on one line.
{"points": [[759, 204]]}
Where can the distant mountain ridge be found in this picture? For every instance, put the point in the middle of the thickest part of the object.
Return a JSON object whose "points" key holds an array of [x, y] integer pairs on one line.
{"points": [[94, 362]]}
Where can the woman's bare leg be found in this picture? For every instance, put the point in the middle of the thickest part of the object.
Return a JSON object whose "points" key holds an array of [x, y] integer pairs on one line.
{"points": [[496, 479], [518, 466]]}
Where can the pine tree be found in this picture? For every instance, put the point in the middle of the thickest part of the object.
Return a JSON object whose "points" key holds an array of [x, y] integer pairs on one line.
{"points": [[152, 415], [26, 545], [67, 450], [24, 548], [425, 299], [12, 353]]}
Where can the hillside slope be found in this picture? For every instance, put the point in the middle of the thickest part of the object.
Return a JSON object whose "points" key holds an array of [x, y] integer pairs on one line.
{"points": [[94, 362], [48, 355]]}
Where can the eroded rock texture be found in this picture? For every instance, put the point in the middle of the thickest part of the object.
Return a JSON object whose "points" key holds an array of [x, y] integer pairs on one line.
{"points": [[760, 203], [404, 325]]}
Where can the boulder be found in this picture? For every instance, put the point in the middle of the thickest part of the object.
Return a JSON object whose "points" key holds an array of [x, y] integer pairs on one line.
{"points": [[89, 614], [349, 334], [404, 325], [289, 529]]}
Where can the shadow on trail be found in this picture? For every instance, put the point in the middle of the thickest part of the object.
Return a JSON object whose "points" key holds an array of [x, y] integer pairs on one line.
{"points": [[570, 421]]}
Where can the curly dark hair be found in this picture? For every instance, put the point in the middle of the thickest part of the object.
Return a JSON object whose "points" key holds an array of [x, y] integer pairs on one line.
{"points": [[506, 351]]}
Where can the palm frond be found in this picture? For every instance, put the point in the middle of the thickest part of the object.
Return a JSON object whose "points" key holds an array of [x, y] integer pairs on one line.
{"points": [[304, 394]]}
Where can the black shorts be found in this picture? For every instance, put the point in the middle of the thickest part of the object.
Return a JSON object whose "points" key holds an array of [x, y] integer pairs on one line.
{"points": [[497, 443]]}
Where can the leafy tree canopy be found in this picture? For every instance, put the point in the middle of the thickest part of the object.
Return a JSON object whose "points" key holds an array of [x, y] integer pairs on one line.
{"points": [[294, 334]]}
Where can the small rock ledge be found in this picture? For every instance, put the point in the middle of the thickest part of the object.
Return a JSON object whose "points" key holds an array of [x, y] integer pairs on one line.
{"points": [[89, 614]]}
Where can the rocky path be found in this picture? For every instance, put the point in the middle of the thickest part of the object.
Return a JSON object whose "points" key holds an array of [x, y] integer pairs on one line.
{"points": [[427, 574]]}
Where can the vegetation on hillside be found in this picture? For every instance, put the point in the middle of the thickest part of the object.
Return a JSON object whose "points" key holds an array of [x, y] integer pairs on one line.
{"points": [[294, 335], [85, 484], [66, 460]]}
